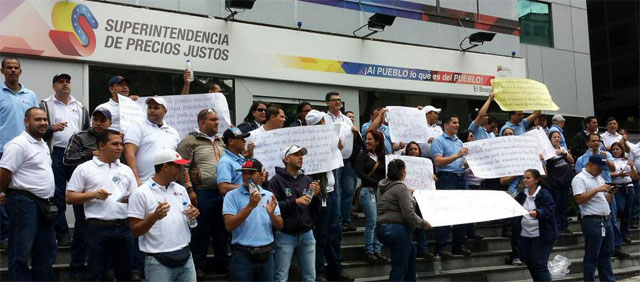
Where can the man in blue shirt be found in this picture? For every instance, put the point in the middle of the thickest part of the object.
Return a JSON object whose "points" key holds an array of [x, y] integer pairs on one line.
{"points": [[251, 213], [479, 125], [558, 125], [517, 123], [15, 99], [378, 122], [448, 154]]}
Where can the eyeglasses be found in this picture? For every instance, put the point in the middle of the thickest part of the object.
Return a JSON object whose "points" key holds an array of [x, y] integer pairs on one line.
{"points": [[336, 100], [261, 110]]}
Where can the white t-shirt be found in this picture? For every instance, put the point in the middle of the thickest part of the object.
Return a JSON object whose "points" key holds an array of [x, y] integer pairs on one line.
{"points": [[114, 108], [622, 165], [150, 138], [29, 161], [72, 114], [583, 182], [169, 233], [634, 155], [117, 178], [608, 138], [425, 148], [346, 135], [331, 181], [530, 225]]}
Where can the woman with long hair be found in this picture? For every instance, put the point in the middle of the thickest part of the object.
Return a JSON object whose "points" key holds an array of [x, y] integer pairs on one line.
{"points": [[255, 117], [370, 168], [623, 179], [559, 180]]}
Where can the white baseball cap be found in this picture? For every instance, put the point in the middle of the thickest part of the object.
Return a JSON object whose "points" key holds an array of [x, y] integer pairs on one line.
{"points": [[292, 150], [430, 108], [314, 117], [558, 117], [168, 155], [158, 100]]}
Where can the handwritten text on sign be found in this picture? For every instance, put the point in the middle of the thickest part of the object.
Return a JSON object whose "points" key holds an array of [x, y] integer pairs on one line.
{"points": [[182, 110], [452, 207], [543, 141], [517, 94], [130, 112], [503, 156], [321, 142], [419, 172], [407, 124]]}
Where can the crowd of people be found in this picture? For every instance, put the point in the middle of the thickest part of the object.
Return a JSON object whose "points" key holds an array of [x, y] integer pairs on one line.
{"points": [[148, 203]]}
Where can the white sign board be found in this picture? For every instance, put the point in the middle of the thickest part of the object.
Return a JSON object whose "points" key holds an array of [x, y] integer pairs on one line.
{"points": [[419, 172], [321, 142], [346, 135], [452, 207], [544, 143], [407, 124], [503, 156], [182, 110], [130, 112]]}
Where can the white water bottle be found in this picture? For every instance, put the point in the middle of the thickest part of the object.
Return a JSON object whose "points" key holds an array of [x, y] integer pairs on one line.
{"points": [[437, 264], [190, 68], [192, 221]]}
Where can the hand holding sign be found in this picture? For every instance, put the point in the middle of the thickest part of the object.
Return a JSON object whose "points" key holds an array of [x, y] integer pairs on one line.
{"points": [[517, 94]]}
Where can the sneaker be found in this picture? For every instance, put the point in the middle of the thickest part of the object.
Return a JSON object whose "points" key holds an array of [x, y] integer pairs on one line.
{"points": [[381, 258], [444, 254], [65, 241], [566, 232], [426, 255], [619, 253], [135, 276], [462, 251], [371, 258], [200, 273], [321, 278], [627, 240], [340, 276], [348, 227], [516, 261], [634, 225]]}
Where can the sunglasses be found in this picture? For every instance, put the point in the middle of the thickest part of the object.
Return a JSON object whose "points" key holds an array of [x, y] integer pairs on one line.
{"points": [[261, 110], [203, 113]]}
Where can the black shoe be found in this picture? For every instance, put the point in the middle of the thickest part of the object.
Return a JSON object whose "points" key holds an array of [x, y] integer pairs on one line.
{"points": [[340, 276], [135, 276], [427, 256], [634, 225], [627, 240], [65, 241], [619, 253], [348, 227], [381, 258], [477, 237], [371, 258], [320, 278], [462, 251], [566, 232], [200, 273], [4, 245], [444, 254]]}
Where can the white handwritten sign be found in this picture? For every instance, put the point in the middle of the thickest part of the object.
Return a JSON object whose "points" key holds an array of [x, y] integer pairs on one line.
{"points": [[544, 144], [321, 142], [452, 207], [503, 156], [130, 112], [346, 135], [182, 110], [407, 124], [419, 172]]}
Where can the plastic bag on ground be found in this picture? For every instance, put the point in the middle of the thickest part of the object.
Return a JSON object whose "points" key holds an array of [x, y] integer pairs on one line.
{"points": [[559, 267]]}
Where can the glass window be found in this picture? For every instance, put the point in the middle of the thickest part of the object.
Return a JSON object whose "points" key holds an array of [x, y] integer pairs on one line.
{"points": [[536, 26]]}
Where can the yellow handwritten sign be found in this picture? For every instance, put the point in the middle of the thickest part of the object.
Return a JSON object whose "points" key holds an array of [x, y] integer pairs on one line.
{"points": [[517, 94]]}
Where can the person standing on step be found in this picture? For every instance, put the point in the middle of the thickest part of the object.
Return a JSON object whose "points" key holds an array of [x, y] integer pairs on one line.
{"points": [[559, 180], [622, 178]]}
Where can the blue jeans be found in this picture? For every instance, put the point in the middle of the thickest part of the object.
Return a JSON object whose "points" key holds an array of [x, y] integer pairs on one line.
{"points": [[79, 245], [210, 227], [624, 200], [29, 236], [243, 269], [368, 204], [597, 249], [448, 181], [4, 221], [561, 198], [420, 236], [305, 245], [61, 177], [635, 209], [403, 254], [328, 235], [156, 271], [535, 254], [346, 186], [109, 244], [138, 260], [617, 236]]}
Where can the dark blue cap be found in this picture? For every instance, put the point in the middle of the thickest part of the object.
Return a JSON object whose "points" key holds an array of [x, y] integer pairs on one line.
{"points": [[117, 79], [600, 161]]}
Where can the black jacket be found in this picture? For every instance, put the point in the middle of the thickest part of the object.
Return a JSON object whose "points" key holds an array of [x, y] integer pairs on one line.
{"points": [[297, 219], [80, 148], [546, 215], [364, 165]]}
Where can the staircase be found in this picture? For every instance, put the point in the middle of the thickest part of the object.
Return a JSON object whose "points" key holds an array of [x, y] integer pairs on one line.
{"points": [[487, 263]]}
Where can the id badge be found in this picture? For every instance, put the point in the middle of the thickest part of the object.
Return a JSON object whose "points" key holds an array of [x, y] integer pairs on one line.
{"points": [[324, 203], [604, 232], [373, 198]]}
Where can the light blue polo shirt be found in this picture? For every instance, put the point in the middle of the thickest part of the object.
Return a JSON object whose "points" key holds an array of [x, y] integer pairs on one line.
{"points": [[256, 230], [12, 109], [386, 132], [517, 128], [227, 166], [563, 143], [479, 131], [445, 146], [584, 159]]}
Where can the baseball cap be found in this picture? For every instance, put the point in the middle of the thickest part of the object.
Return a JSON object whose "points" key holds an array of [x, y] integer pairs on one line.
{"points": [[600, 161], [106, 113], [430, 108], [117, 79], [158, 100], [251, 165], [292, 150], [233, 132], [557, 118], [168, 155], [314, 117], [59, 76]]}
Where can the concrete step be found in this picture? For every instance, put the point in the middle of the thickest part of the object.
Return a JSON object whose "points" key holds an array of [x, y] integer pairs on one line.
{"points": [[620, 273]]}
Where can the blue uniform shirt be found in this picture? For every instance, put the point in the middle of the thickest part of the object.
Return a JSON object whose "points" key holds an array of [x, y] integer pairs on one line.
{"points": [[227, 166], [563, 143], [386, 132], [517, 128], [12, 109], [584, 159], [445, 146], [256, 230], [479, 131]]}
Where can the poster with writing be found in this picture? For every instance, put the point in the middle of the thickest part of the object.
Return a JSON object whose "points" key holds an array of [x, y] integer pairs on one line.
{"points": [[407, 124], [346, 135], [451, 207], [503, 156], [130, 112], [517, 94], [419, 172], [545, 146], [321, 142], [182, 110]]}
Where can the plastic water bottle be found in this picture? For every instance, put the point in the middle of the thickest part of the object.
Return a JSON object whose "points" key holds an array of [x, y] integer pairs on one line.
{"points": [[252, 187], [190, 68], [437, 264], [192, 221]]}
